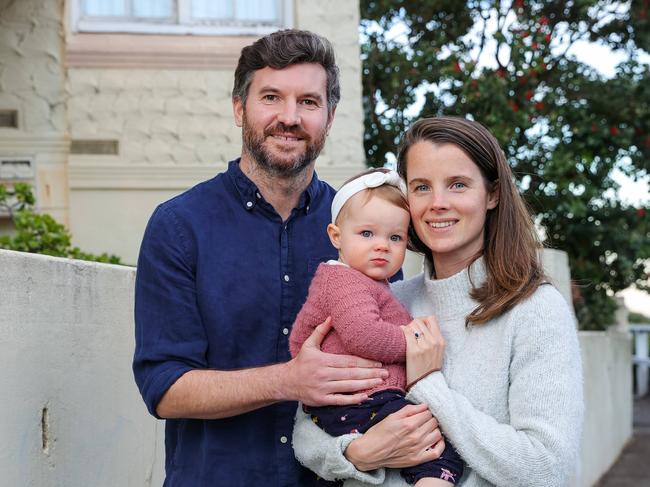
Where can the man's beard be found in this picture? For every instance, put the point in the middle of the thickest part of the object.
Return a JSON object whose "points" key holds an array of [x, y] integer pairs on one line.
{"points": [[275, 166]]}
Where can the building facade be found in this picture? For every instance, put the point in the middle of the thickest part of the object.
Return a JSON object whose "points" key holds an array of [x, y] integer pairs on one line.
{"points": [[108, 107]]}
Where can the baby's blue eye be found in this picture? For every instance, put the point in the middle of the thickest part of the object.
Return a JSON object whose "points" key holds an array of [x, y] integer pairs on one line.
{"points": [[366, 233], [395, 238]]}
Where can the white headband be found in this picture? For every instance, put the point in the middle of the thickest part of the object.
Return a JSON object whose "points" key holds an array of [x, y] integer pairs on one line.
{"points": [[372, 180]]}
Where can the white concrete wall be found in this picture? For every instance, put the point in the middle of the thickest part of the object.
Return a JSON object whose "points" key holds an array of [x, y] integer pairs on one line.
{"points": [[607, 366], [66, 343]]}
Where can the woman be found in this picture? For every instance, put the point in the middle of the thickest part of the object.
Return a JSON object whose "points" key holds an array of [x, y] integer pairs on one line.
{"points": [[509, 392]]}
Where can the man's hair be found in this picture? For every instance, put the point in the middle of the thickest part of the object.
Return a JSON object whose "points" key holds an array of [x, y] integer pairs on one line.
{"points": [[282, 49], [386, 192], [511, 244]]}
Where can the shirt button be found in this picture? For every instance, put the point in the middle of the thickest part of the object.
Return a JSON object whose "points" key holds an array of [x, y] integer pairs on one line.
{"points": [[307, 208], [249, 204], [285, 331], [286, 278], [283, 439], [258, 195]]}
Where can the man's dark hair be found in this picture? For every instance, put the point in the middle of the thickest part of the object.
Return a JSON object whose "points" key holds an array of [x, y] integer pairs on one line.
{"points": [[285, 48]]}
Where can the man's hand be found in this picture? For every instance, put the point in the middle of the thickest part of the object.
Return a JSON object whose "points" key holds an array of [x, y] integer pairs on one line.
{"points": [[317, 378]]}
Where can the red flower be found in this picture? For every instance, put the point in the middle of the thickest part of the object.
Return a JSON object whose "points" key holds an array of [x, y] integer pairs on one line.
{"points": [[457, 67], [543, 20], [613, 131], [501, 73], [547, 38], [519, 3], [525, 34], [640, 212], [529, 94], [539, 105], [514, 106], [534, 45]]}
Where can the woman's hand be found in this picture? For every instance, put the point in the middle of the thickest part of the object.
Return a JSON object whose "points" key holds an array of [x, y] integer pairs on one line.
{"points": [[425, 348], [405, 438]]}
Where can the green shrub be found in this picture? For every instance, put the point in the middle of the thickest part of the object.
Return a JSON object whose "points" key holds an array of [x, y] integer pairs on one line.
{"points": [[638, 318], [38, 233]]}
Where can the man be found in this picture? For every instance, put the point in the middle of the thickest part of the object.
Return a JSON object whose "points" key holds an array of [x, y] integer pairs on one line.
{"points": [[223, 271]]}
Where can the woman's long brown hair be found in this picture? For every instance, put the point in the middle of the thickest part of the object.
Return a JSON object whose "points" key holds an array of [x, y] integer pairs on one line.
{"points": [[511, 244]]}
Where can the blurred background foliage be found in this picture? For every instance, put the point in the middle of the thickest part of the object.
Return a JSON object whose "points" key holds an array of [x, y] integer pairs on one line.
{"points": [[563, 125], [38, 233]]}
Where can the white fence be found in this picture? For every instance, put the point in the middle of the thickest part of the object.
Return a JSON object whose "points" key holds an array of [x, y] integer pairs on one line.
{"points": [[71, 414]]}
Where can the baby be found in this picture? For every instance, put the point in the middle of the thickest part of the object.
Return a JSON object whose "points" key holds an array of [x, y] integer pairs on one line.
{"points": [[370, 220]]}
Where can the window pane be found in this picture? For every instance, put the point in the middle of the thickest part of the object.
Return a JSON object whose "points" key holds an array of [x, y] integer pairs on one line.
{"points": [[103, 8], [153, 8], [212, 9], [261, 10]]}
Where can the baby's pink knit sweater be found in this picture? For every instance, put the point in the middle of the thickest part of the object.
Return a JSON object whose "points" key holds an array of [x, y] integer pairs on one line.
{"points": [[366, 320]]}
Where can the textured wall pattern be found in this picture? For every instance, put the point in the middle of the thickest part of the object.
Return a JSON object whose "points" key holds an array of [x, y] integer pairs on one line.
{"points": [[158, 116], [179, 116], [31, 69]]}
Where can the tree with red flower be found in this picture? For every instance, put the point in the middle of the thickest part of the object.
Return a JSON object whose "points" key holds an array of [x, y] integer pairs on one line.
{"points": [[558, 120]]}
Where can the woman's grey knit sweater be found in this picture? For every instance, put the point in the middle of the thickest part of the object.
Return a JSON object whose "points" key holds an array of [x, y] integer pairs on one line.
{"points": [[509, 396]]}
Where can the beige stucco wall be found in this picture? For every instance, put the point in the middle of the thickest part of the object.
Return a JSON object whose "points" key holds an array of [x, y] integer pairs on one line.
{"points": [[175, 128], [32, 82]]}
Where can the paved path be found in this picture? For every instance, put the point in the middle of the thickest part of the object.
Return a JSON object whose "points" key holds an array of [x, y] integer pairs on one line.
{"points": [[633, 466]]}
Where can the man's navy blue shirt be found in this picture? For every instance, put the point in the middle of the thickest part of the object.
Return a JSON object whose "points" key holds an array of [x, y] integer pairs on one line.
{"points": [[220, 280]]}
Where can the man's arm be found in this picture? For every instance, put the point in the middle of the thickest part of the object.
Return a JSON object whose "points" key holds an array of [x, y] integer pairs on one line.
{"points": [[313, 377], [170, 365]]}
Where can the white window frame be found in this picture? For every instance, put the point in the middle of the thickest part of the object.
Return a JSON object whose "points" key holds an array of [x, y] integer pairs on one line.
{"points": [[184, 26]]}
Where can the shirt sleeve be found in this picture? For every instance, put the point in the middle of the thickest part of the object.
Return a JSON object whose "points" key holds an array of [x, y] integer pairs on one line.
{"points": [[169, 335], [540, 443], [357, 319]]}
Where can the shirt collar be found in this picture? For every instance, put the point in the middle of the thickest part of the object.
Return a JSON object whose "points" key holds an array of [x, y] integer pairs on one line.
{"points": [[250, 196]]}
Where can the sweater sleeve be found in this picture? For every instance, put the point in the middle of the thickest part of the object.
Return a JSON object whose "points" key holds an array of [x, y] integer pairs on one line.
{"points": [[357, 319], [540, 444]]}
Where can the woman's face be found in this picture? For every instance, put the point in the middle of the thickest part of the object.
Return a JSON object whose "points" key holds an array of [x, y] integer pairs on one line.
{"points": [[449, 201]]}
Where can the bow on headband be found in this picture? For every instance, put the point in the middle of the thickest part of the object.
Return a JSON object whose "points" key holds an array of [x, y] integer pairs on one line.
{"points": [[371, 180]]}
